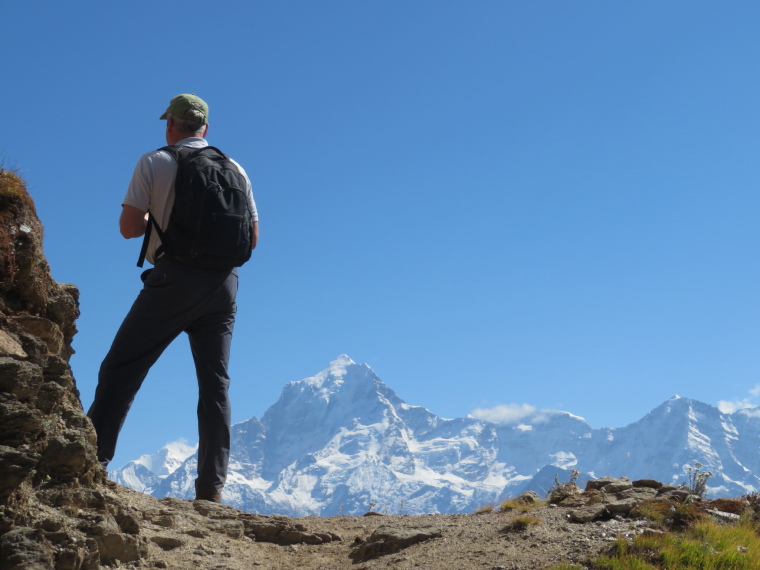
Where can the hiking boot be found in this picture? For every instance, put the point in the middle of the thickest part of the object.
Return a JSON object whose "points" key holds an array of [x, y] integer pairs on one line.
{"points": [[213, 497]]}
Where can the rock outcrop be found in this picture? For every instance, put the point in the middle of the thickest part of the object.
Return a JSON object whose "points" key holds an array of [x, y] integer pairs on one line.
{"points": [[47, 444]]}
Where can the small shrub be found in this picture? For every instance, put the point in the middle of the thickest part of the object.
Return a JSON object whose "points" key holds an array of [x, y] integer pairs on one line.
{"points": [[734, 506], [514, 505], [753, 508], [560, 491], [520, 524], [653, 512], [669, 515], [484, 510], [698, 480]]}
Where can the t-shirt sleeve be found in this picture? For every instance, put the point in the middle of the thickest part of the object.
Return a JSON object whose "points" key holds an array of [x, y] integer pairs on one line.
{"points": [[138, 191], [252, 203], [249, 193]]}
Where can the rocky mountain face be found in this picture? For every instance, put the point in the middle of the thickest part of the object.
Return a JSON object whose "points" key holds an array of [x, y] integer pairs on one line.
{"points": [[342, 442]]}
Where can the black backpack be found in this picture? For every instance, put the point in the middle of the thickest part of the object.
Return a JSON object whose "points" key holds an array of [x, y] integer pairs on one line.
{"points": [[210, 222]]}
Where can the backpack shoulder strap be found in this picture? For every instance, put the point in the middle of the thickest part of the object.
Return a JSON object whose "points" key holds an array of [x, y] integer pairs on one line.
{"points": [[173, 150], [146, 239]]}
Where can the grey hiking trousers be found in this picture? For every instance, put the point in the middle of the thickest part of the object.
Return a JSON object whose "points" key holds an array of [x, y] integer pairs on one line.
{"points": [[176, 298]]}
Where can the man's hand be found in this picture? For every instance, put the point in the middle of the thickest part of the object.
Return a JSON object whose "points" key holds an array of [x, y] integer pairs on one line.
{"points": [[132, 222], [255, 240]]}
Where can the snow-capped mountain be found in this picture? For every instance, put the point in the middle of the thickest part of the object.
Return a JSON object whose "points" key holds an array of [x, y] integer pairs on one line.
{"points": [[342, 442], [146, 472]]}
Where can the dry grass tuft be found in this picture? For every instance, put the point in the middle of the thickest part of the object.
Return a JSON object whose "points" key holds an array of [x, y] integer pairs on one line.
{"points": [[519, 506], [520, 524]]}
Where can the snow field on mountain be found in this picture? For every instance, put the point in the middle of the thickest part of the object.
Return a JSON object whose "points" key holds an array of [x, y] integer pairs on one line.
{"points": [[342, 441]]}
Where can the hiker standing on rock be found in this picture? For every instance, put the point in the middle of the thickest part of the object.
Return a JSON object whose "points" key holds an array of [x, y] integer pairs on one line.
{"points": [[195, 208]]}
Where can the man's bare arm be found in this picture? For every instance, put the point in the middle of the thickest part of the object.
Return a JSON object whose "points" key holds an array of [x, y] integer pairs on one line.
{"points": [[255, 226], [132, 222]]}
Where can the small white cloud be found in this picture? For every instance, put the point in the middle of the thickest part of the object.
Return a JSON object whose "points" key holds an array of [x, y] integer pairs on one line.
{"points": [[504, 414], [732, 407], [751, 412], [751, 402], [524, 427]]}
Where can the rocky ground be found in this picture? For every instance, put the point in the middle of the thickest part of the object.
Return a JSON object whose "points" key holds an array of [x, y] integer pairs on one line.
{"points": [[180, 534], [117, 527]]}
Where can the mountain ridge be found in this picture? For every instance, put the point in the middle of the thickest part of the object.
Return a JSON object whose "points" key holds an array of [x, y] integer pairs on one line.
{"points": [[342, 439]]}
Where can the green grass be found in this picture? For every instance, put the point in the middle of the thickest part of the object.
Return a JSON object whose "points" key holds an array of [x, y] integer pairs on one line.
{"points": [[705, 546]]}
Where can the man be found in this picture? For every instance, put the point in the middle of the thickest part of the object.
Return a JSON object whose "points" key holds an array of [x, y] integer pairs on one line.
{"points": [[176, 298]]}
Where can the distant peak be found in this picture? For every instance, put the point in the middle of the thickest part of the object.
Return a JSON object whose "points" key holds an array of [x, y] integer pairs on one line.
{"points": [[333, 373], [338, 366]]}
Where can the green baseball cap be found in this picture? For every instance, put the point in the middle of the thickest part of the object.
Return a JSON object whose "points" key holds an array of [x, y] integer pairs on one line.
{"points": [[188, 106]]}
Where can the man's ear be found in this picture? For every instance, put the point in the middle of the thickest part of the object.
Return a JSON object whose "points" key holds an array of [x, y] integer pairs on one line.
{"points": [[205, 131]]}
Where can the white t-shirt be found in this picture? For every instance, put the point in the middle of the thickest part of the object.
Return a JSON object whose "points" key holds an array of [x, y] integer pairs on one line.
{"points": [[152, 188]]}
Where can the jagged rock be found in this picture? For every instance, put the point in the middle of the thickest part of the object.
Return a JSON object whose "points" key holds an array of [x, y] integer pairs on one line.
{"points": [[388, 540], [16, 465], [213, 510], [588, 514], [128, 523], [19, 424], [575, 501], [9, 346], [650, 483], [42, 328], [623, 506], [20, 379], [641, 494], [723, 516], [617, 486], [100, 525], [121, 547], [528, 497], [25, 548], [596, 484], [196, 532], [280, 530], [168, 542], [164, 520], [609, 484], [65, 456], [679, 493], [232, 528]]}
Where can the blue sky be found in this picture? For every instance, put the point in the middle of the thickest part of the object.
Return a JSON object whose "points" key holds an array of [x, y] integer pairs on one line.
{"points": [[495, 204]]}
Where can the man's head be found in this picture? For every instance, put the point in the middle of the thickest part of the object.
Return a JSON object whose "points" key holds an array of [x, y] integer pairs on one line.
{"points": [[186, 116]]}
